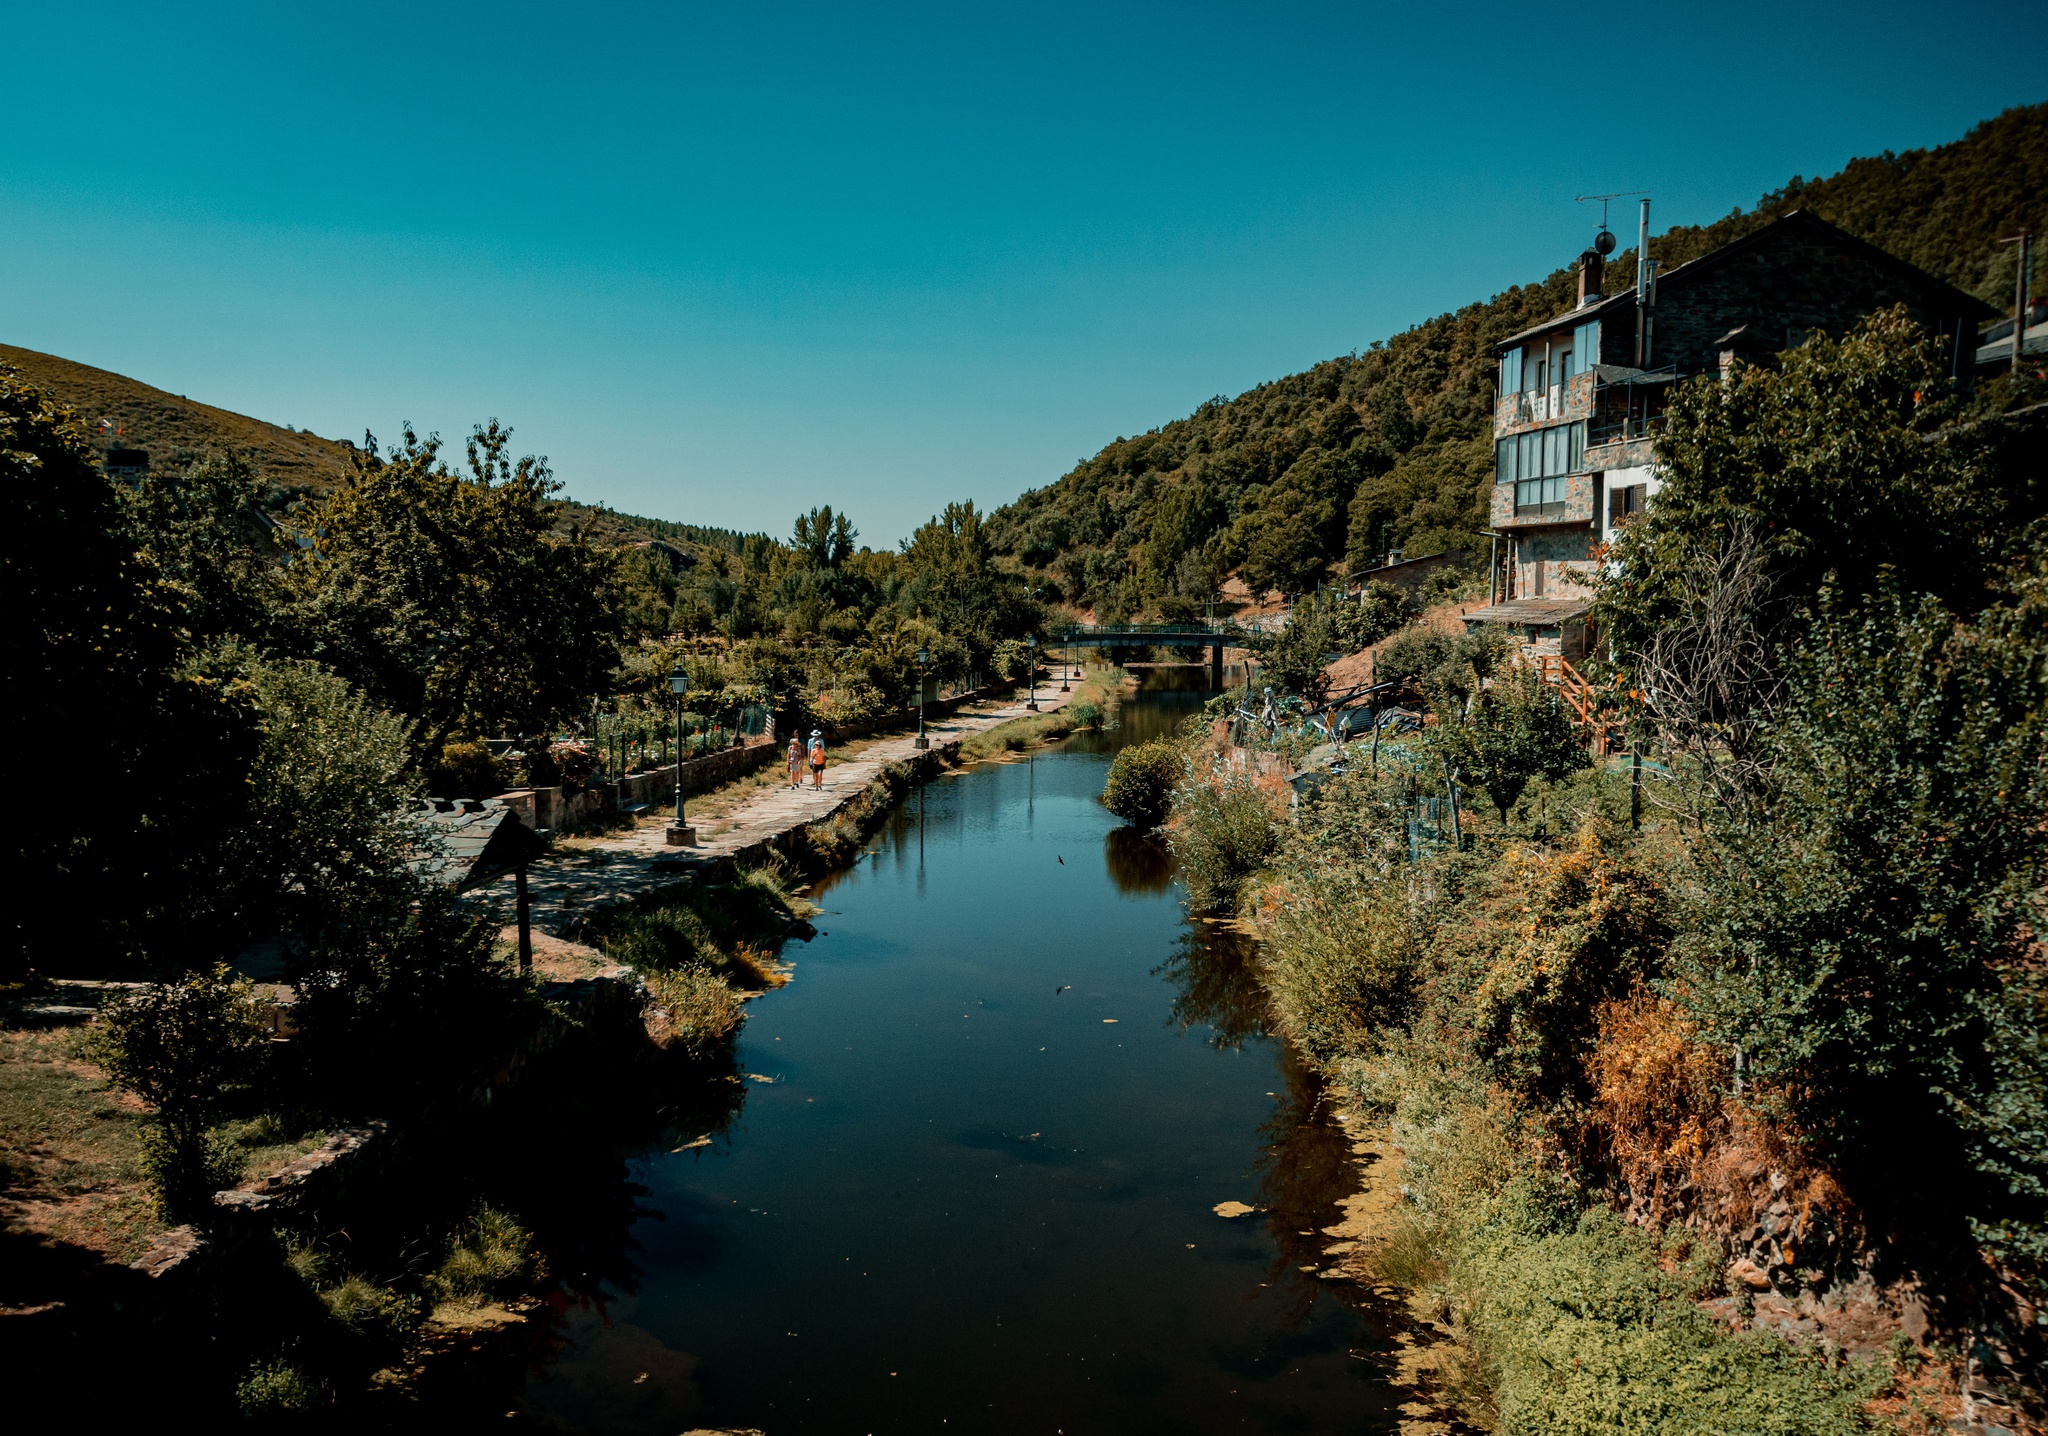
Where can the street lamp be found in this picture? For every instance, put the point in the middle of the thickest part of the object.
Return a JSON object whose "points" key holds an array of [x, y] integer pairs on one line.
{"points": [[1066, 660], [680, 833], [923, 657], [1031, 663]]}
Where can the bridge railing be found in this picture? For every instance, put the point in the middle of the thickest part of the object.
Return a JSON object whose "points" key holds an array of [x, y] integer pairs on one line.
{"points": [[1165, 632]]}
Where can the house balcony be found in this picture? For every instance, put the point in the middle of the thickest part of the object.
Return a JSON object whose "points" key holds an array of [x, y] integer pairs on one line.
{"points": [[1620, 452], [1544, 503], [1532, 408]]}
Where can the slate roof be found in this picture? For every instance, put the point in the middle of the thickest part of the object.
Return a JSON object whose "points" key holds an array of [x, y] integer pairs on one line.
{"points": [[1951, 299], [1540, 611], [474, 840]]}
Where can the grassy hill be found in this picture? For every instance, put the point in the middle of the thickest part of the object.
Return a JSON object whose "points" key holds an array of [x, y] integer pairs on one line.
{"points": [[177, 431], [1391, 447]]}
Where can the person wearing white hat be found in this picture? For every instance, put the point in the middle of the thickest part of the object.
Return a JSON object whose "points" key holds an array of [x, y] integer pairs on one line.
{"points": [[817, 759], [796, 761]]}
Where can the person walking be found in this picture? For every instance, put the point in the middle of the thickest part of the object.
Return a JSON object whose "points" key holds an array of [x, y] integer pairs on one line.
{"points": [[817, 759], [796, 761]]}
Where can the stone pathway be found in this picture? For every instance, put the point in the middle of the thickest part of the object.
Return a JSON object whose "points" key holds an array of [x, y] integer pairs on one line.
{"points": [[564, 888]]}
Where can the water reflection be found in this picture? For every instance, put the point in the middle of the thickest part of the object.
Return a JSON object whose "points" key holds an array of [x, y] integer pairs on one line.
{"points": [[1216, 982], [1139, 863], [554, 1152]]}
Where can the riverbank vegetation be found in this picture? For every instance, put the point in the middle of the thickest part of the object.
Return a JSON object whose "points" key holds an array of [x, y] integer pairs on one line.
{"points": [[1720, 1102]]}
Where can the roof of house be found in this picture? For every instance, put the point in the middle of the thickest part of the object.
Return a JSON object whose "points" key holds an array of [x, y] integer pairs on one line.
{"points": [[1954, 299], [474, 840], [1539, 611]]}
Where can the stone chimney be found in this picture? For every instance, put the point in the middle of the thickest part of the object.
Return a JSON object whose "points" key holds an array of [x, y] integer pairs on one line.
{"points": [[1592, 267]]}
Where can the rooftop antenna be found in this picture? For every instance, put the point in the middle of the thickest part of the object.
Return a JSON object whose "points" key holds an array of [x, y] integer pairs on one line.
{"points": [[1604, 240]]}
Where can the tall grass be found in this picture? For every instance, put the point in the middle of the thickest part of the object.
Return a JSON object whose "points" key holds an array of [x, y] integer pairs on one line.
{"points": [[1224, 830], [698, 955], [490, 1256], [1093, 705]]}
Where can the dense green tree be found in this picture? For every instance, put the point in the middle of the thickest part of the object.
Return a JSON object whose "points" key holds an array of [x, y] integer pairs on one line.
{"points": [[1869, 943], [208, 532], [1516, 730], [450, 598], [1839, 460], [825, 538], [96, 668]]}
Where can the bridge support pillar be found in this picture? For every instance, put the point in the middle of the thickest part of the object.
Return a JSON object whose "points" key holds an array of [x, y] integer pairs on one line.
{"points": [[1216, 666]]}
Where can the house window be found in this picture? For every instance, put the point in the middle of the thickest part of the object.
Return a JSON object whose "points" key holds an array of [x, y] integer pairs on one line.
{"points": [[1539, 497], [1536, 464], [1511, 372], [1586, 341], [1625, 503]]}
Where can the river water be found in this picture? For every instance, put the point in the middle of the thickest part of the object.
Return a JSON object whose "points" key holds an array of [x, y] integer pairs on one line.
{"points": [[971, 1186]]}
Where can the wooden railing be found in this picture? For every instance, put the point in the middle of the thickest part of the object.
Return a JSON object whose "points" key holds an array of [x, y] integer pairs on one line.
{"points": [[1582, 697]]}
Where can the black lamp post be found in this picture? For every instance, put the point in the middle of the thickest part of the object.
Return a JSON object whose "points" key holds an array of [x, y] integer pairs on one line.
{"points": [[923, 657], [680, 833], [1031, 663]]}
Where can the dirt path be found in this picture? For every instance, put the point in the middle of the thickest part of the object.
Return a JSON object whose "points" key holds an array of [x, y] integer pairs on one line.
{"points": [[566, 886]]}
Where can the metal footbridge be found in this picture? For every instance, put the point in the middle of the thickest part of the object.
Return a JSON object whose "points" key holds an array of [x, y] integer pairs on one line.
{"points": [[1213, 636]]}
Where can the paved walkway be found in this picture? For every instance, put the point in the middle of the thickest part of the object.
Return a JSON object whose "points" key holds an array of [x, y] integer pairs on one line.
{"points": [[565, 887]]}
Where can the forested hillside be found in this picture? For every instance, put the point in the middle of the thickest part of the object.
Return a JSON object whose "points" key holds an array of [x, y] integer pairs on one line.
{"points": [[1391, 447]]}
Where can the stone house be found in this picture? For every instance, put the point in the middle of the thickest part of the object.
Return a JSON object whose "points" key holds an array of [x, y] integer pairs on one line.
{"points": [[1581, 393]]}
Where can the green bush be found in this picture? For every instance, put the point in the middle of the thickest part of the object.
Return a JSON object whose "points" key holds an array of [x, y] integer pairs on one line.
{"points": [[1414, 652], [186, 1167], [1343, 949], [1141, 781], [1517, 730], [277, 1389], [380, 1321], [466, 770], [404, 1000], [188, 1048], [1596, 1329], [1223, 831], [704, 1009]]}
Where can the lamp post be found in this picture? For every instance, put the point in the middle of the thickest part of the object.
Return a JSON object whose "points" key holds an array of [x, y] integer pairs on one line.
{"points": [[1066, 656], [680, 833], [923, 657], [1031, 663]]}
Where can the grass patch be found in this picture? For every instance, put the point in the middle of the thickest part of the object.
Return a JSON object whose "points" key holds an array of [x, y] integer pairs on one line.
{"points": [[699, 955], [1093, 703], [489, 1258], [71, 1165]]}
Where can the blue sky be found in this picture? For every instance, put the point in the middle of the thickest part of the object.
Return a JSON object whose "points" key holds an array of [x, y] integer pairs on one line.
{"points": [[721, 263]]}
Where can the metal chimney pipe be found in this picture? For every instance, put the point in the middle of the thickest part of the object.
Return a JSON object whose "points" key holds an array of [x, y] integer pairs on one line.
{"points": [[1643, 285]]}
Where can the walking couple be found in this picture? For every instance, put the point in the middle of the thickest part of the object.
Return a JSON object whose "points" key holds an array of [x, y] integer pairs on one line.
{"points": [[817, 758]]}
